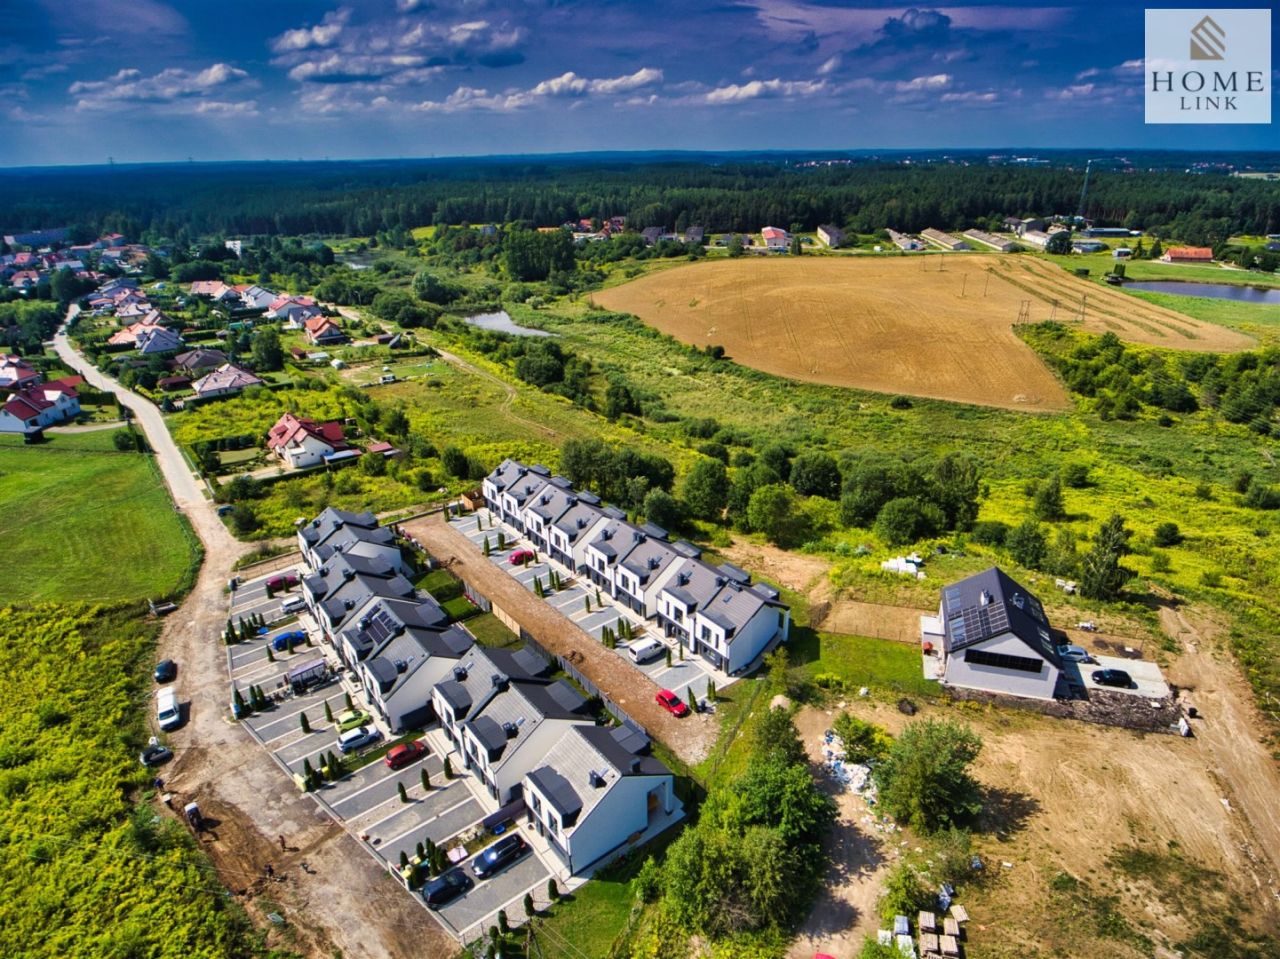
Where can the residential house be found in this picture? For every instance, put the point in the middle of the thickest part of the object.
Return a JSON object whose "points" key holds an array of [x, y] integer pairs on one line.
{"points": [[302, 442], [401, 648], [832, 236], [215, 290], [293, 308], [555, 496], [646, 567], [256, 297], [990, 240], [476, 679], [570, 532], [344, 584], [129, 335], [651, 234], [775, 238], [528, 482], [198, 360], [508, 735], [170, 384], [16, 373], [157, 339], [944, 240], [695, 234], [353, 534], [323, 330], [991, 634], [30, 409], [25, 280], [1187, 254], [1088, 246], [592, 794], [224, 381], [903, 242]]}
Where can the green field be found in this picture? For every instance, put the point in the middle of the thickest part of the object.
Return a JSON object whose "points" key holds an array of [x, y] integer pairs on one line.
{"points": [[87, 524]]}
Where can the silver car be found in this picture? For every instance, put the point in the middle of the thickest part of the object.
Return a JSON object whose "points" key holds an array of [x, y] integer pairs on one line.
{"points": [[1074, 654]]}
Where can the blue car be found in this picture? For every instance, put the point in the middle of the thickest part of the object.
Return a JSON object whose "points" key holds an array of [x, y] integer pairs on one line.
{"points": [[281, 642]]}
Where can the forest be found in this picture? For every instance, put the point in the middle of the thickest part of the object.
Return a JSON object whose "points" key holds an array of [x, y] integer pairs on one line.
{"points": [[718, 192]]}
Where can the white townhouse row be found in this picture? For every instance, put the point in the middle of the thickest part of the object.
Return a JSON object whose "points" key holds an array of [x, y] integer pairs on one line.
{"points": [[714, 611]]}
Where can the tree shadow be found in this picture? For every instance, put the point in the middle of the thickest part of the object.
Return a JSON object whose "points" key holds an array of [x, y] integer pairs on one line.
{"points": [[1005, 811]]}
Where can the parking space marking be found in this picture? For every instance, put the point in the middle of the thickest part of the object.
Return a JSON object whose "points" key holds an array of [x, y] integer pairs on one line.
{"points": [[386, 779], [396, 837]]}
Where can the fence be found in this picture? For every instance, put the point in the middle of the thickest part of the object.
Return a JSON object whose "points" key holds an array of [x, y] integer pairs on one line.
{"points": [[581, 679]]}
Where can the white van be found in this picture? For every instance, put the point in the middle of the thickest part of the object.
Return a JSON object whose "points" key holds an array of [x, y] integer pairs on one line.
{"points": [[168, 713], [645, 650], [294, 604]]}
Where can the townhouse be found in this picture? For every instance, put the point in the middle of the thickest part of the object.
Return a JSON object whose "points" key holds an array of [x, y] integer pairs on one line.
{"points": [[337, 592], [540, 511], [337, 531], [475, 680]]}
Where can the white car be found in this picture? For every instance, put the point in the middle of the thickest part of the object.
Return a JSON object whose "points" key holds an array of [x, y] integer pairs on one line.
{"points": [[1074, 654], [356, 738], [1089, 626]]}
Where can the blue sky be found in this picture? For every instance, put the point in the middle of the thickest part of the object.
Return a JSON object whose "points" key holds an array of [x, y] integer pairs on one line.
{"points": [[145, 80]]}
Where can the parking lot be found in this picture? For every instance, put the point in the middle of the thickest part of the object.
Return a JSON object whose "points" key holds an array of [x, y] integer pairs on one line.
{"points": [[571, 601], [1150, 682], [367, 801]]}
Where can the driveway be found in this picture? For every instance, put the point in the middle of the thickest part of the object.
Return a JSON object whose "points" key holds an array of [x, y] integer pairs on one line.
{"points": [[1149, 681]]}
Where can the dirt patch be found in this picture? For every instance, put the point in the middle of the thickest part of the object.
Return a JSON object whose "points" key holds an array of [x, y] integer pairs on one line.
{"points": [[690, 738]]}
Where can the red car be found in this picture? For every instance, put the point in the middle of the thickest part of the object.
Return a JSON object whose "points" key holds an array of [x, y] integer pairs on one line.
{"points": [[400, 756], [521, 556], [672, 703], [287, 581]]}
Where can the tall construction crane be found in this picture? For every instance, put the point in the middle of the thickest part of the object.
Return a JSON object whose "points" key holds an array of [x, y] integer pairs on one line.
{"points": [[1084, 190]]}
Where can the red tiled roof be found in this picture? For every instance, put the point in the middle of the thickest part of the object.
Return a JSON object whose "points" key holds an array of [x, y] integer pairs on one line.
{"points": [[290, 428], [1189, 253]]}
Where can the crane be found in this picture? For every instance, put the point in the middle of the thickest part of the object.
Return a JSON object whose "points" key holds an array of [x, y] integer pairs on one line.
{"points": [[1084, 190]]}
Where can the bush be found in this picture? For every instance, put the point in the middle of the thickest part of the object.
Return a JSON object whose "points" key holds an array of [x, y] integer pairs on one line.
{"points": [[863, 741], [1075, 475], [908, 519], [1167, 534], [925, 779], [989, 532]]}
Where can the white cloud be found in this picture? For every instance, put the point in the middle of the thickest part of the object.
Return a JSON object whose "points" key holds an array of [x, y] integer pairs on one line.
{"points": [[757, 89], [938, 81], [323, 34], [566, 85], [1074, 92], [829, 67], [341, 67], [970, 96], [239, 108], [168, 87]]}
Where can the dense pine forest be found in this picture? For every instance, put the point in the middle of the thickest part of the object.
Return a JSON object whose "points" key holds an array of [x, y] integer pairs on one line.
{"points": [[718, 192]]}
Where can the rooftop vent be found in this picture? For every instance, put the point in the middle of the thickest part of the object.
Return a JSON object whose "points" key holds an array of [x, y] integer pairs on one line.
{"points": [[460, 673], [635, 764], [595, 779], [349, 604], [511, 729], [654, 562], [984, 598], [401, 666], [498, 681]]}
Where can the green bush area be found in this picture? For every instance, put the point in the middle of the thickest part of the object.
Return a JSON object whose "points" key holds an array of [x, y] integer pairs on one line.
{"points": [[86, 868], [89, 523]]}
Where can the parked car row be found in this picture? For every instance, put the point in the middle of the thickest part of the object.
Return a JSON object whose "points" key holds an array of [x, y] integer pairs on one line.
{"points": [[455, 882]]}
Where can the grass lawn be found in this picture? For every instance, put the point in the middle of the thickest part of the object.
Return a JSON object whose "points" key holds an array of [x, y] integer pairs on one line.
{"points": [[1254, 318], [89, 525], [490, 631], [880, 664]]}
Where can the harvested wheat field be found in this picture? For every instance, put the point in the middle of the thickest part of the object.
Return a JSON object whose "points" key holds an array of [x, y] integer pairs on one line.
{"points": [[939, 326]]}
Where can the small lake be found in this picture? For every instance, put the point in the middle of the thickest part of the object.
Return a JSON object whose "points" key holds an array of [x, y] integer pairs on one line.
{"points": [[1212, 291], [357, 261], [501, 322]]}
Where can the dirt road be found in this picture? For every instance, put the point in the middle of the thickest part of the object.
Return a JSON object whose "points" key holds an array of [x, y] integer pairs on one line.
{"points": [[690, 738], [345, 901]]}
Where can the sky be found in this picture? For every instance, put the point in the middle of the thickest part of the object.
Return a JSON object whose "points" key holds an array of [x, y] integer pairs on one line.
{"points": [[150, 81]]}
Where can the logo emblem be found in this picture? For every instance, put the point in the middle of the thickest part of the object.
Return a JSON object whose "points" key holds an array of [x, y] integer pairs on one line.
{"points": [[1208, 40]]}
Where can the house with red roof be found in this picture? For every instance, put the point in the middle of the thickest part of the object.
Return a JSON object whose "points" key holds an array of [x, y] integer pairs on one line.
{"points": [[775, 238], [30, 410], [129, 336], [16, 373], [323, 330], [303, 442], [215, 290], [294, 310], [1188, 254]]}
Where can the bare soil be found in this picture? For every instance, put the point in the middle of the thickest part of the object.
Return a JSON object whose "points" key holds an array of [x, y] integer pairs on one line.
{"points": [[939, 327], [690, 738]]}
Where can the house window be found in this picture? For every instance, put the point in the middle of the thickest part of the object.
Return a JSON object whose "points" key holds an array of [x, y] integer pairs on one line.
{"points": [[551, 826], [1022, 664]]}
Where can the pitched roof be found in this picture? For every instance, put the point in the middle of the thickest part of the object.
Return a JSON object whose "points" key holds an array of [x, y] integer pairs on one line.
{"points": [[199, 358], [990, 604], [1189, 253], [291, 430], [225, 377]]}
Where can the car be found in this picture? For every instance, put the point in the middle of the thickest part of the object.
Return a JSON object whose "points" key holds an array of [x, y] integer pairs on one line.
{"points": [[645, 650], [1114, 677], [672, 703], [166, 671], [283, 581], [402, 755], [1089, 626], [446, 887], [350, 719], [499, 856], [521, 556], [354, 739], [294, 604], [295, 636], [155, 754], [1073, 654]]}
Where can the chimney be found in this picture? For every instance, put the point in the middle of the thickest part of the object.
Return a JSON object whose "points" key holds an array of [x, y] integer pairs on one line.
{"points": [[459, 673], [635, 764]]}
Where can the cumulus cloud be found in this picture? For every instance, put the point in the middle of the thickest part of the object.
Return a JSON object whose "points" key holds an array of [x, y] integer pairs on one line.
{"points": [[971, 96], [1074, 92], [758, 89], [566, 85], [323, 34], [938, 81], [346, 68], [168, 87], [829, 67]]}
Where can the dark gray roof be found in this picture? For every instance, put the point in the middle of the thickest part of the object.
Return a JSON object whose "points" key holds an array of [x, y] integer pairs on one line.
{"points": [[694, 583], [566, 697], [990, 604], [630, 739], [525, 662], [453, 693], [506, 473], [649, 557], [331, 520], [558, 792], [621, 759], [616, 538], [577, 519], [551, 502], [383, 671], [490, 733]]}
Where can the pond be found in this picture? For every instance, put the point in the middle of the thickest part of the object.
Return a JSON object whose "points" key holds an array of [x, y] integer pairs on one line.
{"points": [[1213, 291], [357, 261], [501, 322]]}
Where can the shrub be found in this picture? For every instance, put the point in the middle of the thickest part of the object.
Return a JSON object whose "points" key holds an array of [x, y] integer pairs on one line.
{"points": [[1167, 534]]}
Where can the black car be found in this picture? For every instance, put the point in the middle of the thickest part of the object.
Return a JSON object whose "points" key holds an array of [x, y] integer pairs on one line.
{"points": [[1114, 677], [166, 671], [155, 755], [499, 856], [446, 888]]}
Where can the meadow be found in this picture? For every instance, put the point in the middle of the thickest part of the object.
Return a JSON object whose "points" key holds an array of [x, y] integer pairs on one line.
{"points": [[90, 524], [939, 327]]}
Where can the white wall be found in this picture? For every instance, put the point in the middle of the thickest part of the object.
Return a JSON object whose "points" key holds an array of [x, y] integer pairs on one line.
{"points": [[751, 638], [624, 810], [521, 756], [972, 676]]}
